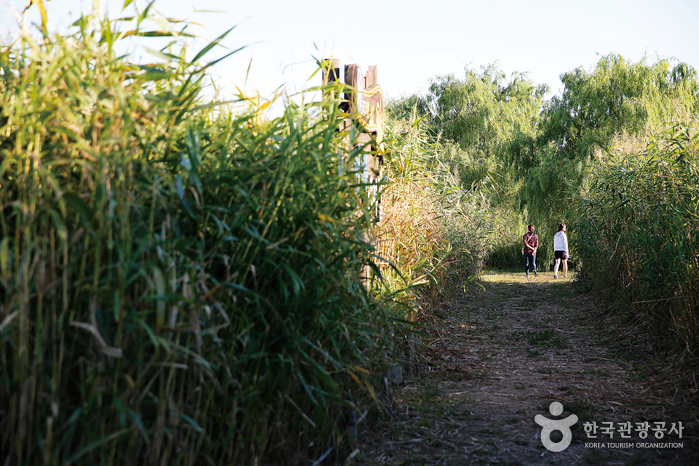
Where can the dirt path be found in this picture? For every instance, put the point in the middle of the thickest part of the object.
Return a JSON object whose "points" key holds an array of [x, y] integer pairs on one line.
{"points": [[490, 366]]}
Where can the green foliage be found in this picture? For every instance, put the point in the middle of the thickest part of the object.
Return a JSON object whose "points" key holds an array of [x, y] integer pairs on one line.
{"points": [[616, 98], [637, 232], [517, 160], [525, 159], [421, 211], [442, 216], [483, 120], [178, 283], [484, 112]]}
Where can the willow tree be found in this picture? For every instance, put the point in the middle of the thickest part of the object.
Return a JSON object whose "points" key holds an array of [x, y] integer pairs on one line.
{"points": [[485, 111], [617, 98], [478, 120]]}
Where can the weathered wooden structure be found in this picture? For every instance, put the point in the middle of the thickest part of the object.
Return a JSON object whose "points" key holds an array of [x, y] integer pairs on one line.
{"points": [[365, 106]]}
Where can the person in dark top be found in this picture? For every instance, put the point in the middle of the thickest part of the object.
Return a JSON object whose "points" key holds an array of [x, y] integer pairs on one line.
{"points": [[531, 243]]}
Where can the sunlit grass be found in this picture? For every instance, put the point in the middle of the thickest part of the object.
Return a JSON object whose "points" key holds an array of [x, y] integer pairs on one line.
{"points": [[509, 277]]}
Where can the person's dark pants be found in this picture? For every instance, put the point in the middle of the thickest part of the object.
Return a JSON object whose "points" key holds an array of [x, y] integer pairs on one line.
{"points": [[529, 259]]}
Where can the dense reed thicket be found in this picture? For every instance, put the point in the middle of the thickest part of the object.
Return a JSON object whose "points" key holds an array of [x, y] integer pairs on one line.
{"points": [[435, 231], [179, 282], [480, 125], [638, 233], [635, 229]]}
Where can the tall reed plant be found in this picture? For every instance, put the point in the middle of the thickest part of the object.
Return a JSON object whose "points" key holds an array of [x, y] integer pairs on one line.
{"points": [[179, 283], [637, 233], [434, 233]]}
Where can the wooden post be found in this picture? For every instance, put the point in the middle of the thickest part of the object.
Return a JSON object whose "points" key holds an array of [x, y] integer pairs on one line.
{"points": [[374, 75], [354, 78], [365, 106], [331, 74], [331, 70]]}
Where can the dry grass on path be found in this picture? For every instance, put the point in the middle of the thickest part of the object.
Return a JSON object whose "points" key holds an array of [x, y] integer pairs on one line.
{"points": [[491, 365]]}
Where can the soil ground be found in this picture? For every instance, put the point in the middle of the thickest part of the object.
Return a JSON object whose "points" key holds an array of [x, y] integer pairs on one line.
{"points": [[496, 358]]}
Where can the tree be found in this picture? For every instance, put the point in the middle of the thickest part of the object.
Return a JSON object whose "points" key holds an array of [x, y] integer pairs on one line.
{"points": [[617, 97], [484, 112]]}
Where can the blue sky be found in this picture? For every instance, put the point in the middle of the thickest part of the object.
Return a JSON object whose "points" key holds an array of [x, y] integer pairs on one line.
{"points": [[412, 41]]}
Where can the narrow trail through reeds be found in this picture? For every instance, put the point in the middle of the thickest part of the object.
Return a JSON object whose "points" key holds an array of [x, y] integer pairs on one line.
{"points": [[495, 360]]}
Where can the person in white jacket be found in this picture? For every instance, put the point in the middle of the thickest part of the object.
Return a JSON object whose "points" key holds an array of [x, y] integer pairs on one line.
{"points": [[560, 250]]}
